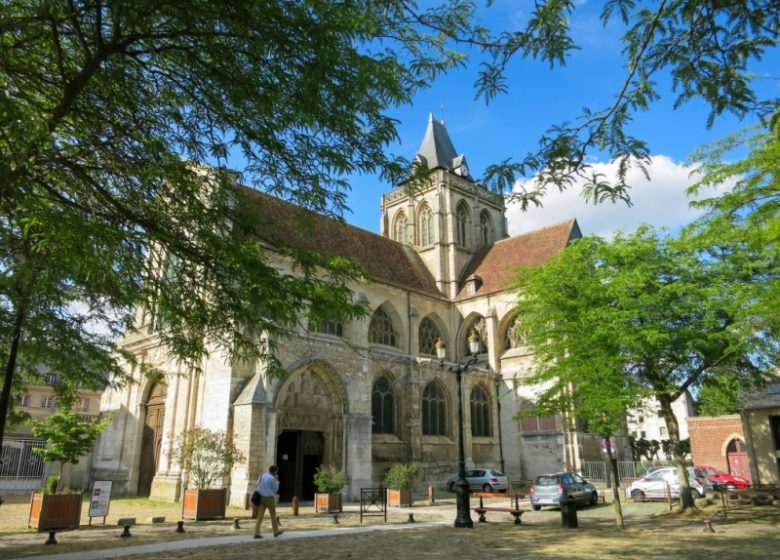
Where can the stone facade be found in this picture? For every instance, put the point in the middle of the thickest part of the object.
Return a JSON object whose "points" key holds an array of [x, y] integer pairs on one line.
{"points": [[369, 393]]}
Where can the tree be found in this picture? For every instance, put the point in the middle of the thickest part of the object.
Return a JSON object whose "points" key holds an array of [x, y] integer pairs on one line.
{"points": [[68, 435], [703, 49], [719, 395], [640, 316], [207, 456], [120, 121]]}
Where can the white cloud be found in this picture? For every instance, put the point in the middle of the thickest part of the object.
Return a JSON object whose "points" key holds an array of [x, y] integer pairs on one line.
{"points": [[661, 202]]}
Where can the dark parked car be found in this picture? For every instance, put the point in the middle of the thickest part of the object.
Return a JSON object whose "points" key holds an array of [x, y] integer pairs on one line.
{"points": [[562, 487], [486, 480]]}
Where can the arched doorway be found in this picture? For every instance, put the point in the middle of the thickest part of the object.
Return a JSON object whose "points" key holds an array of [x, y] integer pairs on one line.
{"points": [[310, 428], [737, 459], [151, 441]]}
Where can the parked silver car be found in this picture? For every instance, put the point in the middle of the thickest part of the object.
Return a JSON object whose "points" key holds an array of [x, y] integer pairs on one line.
{"points": [[654, 484], [486, 480], [563, 487]]}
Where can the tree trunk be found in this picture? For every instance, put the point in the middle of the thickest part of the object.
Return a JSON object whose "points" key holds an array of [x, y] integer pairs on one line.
{"points": [[10, 371], [613, 474], [686, 499]]}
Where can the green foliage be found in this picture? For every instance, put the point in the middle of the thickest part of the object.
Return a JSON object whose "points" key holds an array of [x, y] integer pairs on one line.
{"points": [[206, 456], [51, 484], [642, 316], [719, 395], [744, 221], [118, 124], [329, 479], [68, 435], [400, 476], [705, 47]]}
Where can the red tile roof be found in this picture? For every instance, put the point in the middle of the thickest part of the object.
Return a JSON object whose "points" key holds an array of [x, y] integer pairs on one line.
{"points": [[495, 264], [384, 260]]}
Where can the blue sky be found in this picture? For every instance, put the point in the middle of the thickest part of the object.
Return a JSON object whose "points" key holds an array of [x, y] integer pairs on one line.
{"points": [[539, 97]]}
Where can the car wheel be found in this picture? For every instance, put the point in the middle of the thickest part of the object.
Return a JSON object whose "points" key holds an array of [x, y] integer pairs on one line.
{"points": [[535, 507], [594, 499], [695, 494], [637, 495], [487, 488]]}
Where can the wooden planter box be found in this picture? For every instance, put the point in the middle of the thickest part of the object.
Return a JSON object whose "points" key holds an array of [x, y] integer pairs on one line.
{"points": [[399, 498], [55, 511], [206, 503], [327, 503]]}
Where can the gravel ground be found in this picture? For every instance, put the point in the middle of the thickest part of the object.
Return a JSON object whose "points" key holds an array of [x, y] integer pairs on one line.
{"points": [[651, 532]]}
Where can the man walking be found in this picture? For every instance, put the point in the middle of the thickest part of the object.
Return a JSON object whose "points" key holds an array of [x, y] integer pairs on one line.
{"points": [[268, 487]]}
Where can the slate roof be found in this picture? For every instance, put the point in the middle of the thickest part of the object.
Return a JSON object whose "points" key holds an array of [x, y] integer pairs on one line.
{"points": [[495, 264], [436, 149], [385, 260]]}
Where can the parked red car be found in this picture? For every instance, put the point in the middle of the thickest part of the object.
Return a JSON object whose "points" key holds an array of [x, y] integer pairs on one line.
{"points": [[720, 479]]}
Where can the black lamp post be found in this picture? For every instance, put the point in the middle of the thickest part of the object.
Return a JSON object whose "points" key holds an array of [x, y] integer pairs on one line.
{"points": [[463, 518]]}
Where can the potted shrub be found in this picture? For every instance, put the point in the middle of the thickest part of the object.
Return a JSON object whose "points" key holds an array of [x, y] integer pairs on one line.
{"points": [[399, 480], [329, 482], [206, 458], [68, 437]]}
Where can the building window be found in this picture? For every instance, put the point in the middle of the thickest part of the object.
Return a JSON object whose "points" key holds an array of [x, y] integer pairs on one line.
{"points": [[486, 228], [480, 412], [335, 328], [402, 229], [82, 405], [382, 407], [426, 227], [51, 379], [515, 336], [381, 331], [538, 424], [24, 400], [428, 334], [434, 410], [480, 326], [462, 225], [47, 402]]}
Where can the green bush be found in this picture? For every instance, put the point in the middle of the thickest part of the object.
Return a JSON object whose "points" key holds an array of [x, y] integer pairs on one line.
{"points": [[400, 476], [50, 486], [329, 479]]}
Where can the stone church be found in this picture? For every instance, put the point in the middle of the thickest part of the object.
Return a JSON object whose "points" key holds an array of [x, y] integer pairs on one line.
{"points": [[365, 394]]}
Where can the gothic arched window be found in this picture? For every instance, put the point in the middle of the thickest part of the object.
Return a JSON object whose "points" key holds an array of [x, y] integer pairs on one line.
{"points": [[434, 410], [486, 228], [462, 225], [401, 229], [380, 330], [382, 407], [426, 226], [480, 412], [515, 336], [428, 333]]}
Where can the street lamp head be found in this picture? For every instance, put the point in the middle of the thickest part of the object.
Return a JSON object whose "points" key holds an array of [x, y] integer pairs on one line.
{"points": [[441, 349], [474, 342]]}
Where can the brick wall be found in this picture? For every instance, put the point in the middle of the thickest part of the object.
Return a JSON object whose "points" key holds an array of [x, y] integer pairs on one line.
{"points": [[709, 436]]}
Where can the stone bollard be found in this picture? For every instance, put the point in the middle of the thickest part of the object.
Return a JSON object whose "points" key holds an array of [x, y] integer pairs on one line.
{"points": [[295, 505], [411, 518], [125, 532], [180, 526], [431, 497], [51, 539], [708, 526], [568, 515], [235, 523], [335, 519]]}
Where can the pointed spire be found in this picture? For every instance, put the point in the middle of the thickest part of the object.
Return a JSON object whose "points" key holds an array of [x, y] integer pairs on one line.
{"points": [[437, 150]]}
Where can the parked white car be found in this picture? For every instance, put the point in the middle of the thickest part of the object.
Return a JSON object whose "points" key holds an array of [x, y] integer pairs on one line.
{"points": [[654, 484]]}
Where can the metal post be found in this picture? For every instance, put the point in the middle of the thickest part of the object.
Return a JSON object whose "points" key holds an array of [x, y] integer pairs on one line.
{"points": [[463, 518]]}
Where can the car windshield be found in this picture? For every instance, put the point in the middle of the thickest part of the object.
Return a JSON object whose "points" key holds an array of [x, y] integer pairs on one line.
{"points": [[547, 480]]}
